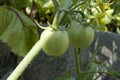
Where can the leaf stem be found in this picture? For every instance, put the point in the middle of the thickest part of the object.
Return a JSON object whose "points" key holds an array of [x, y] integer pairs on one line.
{"points": [[25, 62], [77, 63]]}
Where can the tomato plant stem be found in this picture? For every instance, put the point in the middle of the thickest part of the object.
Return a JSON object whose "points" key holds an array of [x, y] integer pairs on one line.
{"points": [[66, 5], [55, 20], [24, 63], [77, 63]]}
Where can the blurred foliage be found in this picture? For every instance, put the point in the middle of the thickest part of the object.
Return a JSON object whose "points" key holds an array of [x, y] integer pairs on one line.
{"points": [[18, 4], [114, 26], [43, 11]]}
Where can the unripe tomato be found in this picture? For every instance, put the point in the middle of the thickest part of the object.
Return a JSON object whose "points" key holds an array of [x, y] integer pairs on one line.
{"points": [[80, 36], [55, 42]]}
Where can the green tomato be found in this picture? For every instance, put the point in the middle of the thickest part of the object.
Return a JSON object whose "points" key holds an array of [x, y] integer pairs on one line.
{"points": [[54, 43], [80, 35]]}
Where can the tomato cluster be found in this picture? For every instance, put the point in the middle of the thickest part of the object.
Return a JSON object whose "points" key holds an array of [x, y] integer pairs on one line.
{"points": [[56, 42]]}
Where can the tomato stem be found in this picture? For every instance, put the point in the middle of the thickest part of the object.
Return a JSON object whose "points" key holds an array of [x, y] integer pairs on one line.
{"points": [[77, 63], [66, 5], [24, 63], [55, 21]]}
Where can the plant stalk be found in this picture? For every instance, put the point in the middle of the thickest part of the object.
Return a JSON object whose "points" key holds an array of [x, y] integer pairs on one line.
{"points": [[77, 63], [55, 20], [65, 4], [25, 62]]}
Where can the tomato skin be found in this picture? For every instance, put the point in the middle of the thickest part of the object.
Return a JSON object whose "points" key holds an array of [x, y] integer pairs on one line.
{"points": [[80, 36], [55, 43]]}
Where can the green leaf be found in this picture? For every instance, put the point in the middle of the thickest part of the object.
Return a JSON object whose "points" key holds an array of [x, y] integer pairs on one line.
{"points": [[92, 66], [17, 30], [4, 19]]}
